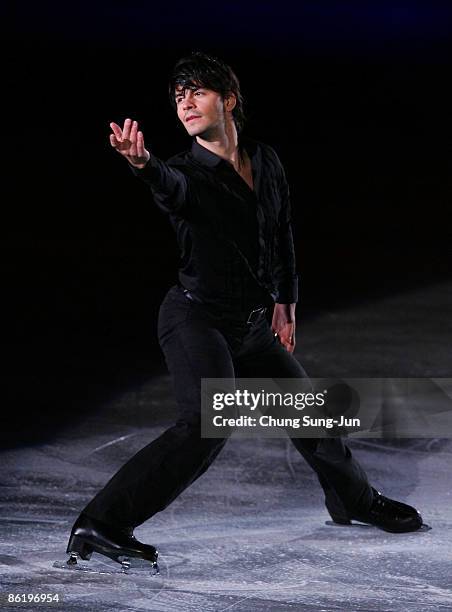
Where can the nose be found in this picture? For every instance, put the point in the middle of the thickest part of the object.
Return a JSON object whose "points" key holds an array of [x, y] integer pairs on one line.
{"points": [[188, 101]]}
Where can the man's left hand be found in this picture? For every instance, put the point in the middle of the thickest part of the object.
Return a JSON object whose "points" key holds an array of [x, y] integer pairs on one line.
{"points": [[283, 325]]}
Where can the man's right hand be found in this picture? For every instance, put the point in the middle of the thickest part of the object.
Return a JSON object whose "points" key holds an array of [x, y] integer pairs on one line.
{"points": [[130, 143]]}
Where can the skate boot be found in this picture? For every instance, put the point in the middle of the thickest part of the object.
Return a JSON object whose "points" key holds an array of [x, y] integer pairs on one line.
{"points": [[89, 535], [387, 514]]}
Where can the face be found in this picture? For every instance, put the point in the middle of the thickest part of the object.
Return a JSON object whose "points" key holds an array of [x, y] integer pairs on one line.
{"points": [[203, 111]]}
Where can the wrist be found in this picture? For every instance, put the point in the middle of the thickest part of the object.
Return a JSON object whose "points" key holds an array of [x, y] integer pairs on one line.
{"points": [[138, 166], [286, 310], [288, 306]]}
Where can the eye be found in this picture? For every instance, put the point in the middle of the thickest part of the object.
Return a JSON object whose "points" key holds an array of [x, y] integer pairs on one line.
{"points": [[198, 92]]}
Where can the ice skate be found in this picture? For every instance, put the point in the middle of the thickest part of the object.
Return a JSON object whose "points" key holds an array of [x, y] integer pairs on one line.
{"points": [[89, 535], [387, 514]]}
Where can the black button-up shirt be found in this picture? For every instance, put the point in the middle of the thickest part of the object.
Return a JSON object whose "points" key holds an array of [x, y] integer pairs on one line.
{"points": [[236, 243]]}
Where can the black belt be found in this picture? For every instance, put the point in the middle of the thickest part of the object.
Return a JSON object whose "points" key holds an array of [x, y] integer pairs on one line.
{"points": [[251, 317]]}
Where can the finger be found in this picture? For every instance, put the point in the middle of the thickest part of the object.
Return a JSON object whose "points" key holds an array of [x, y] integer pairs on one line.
{"points": [[126, 129], [133, 131], [116, 130], [140, 144], [114, 142], [132, 149], [133, 139], [288, 344], [288, 340]]}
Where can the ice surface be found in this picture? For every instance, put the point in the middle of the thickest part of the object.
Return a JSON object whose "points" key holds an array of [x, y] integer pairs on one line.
{"points": [[252, 533], [249, 535]]}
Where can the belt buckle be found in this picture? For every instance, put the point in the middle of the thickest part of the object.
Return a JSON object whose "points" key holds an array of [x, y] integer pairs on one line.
{"points": [[252, 319], [187, 294]]}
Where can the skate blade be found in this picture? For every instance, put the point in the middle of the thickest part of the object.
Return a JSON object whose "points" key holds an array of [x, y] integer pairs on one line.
{"points": [[99, 564], [424, 526], [351, 524]]}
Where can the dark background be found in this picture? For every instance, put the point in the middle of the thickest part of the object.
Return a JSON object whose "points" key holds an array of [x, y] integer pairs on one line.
{"points": [[354, 96]]}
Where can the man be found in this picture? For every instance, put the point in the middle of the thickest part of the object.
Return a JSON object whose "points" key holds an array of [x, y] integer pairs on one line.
{"points": [[228, 201]]}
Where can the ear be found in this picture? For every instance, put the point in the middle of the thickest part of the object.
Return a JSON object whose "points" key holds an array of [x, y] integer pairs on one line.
{"points": [[230, 101]]}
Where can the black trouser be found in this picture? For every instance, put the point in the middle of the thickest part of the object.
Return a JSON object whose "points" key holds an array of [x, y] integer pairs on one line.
{"points": [[197, 343]]}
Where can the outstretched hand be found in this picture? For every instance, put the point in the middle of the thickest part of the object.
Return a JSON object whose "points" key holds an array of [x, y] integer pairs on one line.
{"points": [[283, 325], [129, 142]]}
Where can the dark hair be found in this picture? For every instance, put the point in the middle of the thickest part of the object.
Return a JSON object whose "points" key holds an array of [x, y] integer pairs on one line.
{"points": [[201, 70]]}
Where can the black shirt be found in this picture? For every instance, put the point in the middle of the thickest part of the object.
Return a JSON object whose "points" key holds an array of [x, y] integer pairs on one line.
{"points": [[236, 243]]}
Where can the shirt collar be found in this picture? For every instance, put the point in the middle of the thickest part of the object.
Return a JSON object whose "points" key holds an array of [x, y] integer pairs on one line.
{"points": [[210, 159]]}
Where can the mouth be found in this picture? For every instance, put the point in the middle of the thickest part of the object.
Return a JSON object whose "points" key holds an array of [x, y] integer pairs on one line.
{"points": [[192, 118]]}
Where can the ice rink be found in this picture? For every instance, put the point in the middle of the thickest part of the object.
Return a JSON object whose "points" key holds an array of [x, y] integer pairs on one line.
{"points": [[252, 534]]}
